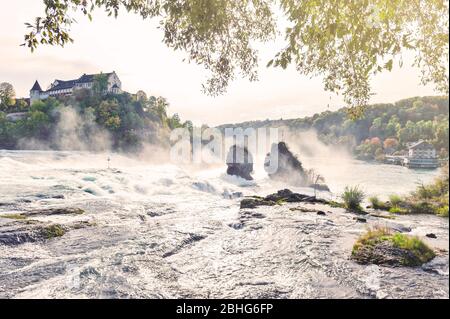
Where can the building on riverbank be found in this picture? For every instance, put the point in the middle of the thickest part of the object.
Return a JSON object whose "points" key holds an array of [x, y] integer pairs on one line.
{"points": [[421, 155]]}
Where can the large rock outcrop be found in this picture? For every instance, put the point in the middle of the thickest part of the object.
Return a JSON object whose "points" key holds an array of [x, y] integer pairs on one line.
{"points": [[385, 246], [240, 162], [386, 253], [282, 165]]}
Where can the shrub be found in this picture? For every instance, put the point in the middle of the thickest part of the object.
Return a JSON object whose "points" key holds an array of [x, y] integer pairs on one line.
{"points": [[432, 198], [423, 192], [372, 237], [377, 203], [53, 231], [414, 245], [353, 197], [421, 208], [374, 201], [395, 200], [442, 211]]}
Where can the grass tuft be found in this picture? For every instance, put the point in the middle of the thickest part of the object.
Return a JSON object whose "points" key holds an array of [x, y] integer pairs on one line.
{"points": [[353, 197], [383, 216], [372, 237], [414, 245], [335, 204], [395, 200], [54, 231], [398, 210], [442, 211], [375, 202], [14, 216]]}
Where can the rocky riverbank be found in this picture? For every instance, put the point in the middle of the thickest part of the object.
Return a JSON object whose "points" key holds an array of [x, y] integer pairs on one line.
{"points": [[381, 246]]}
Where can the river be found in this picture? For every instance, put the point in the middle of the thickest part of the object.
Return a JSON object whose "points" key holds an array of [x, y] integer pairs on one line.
{"points": [[164, 231]]}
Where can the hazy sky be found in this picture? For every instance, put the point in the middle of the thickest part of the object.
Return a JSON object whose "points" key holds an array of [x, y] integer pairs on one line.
{"points": [[133, 48]]}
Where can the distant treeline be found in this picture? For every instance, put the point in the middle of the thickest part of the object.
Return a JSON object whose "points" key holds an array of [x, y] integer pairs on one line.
{"points": [[127, 120], [383, 129]]}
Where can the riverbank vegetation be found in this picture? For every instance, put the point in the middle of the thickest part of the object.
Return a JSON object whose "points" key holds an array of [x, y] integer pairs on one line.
{"points": [[426, 199], [431, 198], [383, 129], [87, 121]]}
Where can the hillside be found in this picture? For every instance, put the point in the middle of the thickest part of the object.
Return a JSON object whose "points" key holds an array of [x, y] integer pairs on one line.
{"points": [[383, 129], [87, 121]]}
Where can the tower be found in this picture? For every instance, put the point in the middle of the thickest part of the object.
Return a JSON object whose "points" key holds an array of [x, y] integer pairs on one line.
{"points": [[35, 92]]}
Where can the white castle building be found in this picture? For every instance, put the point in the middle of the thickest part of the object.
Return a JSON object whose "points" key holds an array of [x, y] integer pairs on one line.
{"points": [[64, 88]]}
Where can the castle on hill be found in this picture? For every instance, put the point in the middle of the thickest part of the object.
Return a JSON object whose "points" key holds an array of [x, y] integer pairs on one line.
{"points": [[66, 88]]}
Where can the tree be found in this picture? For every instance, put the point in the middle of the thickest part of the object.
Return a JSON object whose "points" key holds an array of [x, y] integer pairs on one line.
{"points": [[345, 41], [7, 95], [141, 96], [113, 122], [100, 85], [38, 124], [390, 143], [189, 125], [375, 141], [378, 127], [161, 106], [441, 139], [99, 118], [175, 122], [379, 154], [393, 126], [21, 105], [314, 179], [107, 112]]}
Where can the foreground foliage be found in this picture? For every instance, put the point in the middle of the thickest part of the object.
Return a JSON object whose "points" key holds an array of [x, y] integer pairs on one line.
{"points": [[432, 198], [346, 42]]}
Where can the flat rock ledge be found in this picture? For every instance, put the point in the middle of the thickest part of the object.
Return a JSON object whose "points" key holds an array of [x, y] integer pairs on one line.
{"points": [[282, 196], [18, 232], [17, 229], [54, 212]]}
